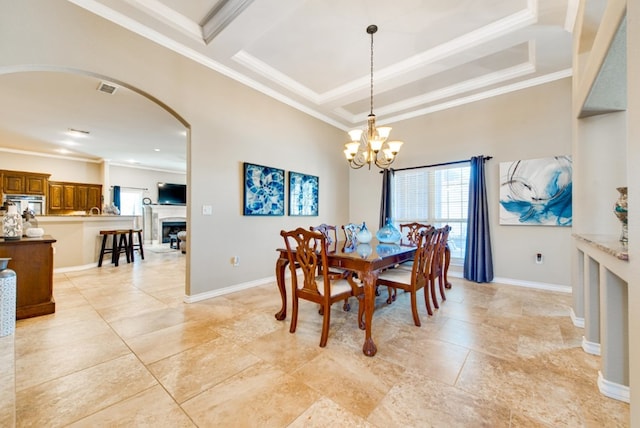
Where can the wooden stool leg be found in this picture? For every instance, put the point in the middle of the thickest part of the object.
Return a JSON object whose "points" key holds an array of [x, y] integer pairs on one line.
{"points": [[102, 248], [124, 246], [130, 248], [115, 253], [140, 244]]}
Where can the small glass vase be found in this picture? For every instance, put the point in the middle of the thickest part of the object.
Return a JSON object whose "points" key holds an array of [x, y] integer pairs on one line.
{"points": [[388, 234], [620, 210], [363, 236]]}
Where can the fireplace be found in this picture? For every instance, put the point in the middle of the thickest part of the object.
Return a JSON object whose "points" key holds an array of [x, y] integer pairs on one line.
{"points": [[160, 220], [172, 228]]}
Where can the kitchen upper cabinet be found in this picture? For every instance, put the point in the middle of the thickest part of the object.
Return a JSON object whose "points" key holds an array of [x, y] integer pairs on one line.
{"points": [[88, 196], [24, 183], [64, 197]]}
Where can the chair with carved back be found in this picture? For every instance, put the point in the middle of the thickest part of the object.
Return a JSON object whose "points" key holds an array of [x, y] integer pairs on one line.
{"points": [[307, 250], [410, 234], [330, 233], [350, 230], [438, 264], [418, 277]]}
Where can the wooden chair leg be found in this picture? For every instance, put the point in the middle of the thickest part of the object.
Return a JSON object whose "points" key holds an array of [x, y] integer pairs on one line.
{"points": [[326, 318], [426, 298], [414, 309], [102, 249], [432, 286]]}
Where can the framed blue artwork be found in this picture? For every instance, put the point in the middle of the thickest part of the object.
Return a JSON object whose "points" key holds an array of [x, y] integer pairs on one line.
{"points": [[303, 194], [536, 192], [263, 190]]}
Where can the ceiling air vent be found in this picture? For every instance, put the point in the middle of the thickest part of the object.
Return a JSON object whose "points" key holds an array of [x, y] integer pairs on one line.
{"points": [[107, 88]]}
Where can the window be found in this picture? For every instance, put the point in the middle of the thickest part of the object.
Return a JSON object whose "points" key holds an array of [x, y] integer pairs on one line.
{"points": [[437, 196], [130, 201]]}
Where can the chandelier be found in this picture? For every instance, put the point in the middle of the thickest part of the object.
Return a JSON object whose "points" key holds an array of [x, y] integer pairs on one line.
{"points": [[370, 145]]}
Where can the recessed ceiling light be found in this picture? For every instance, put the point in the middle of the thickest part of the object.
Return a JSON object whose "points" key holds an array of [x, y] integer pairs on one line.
{"points": [[63, 151], [156, 150]]}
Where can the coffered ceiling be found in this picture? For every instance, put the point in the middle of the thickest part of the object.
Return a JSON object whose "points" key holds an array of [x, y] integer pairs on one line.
{"points": [[314, 55]]}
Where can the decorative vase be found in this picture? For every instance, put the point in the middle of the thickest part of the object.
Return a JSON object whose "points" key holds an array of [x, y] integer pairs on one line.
{"points": [[388, 234], [8, 295], [12, 224], [620, 210], [363, 236]]}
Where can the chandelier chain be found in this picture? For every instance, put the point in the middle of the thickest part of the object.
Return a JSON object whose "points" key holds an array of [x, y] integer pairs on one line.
{"points": [[371, 95]]}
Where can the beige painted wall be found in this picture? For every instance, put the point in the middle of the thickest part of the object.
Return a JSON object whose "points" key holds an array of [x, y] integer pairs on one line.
{"points": [[61, 169], [527, 124], [229, 124]]}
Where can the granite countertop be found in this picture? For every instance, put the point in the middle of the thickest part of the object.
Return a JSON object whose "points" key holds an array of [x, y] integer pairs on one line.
{"points": [[607, 243]]}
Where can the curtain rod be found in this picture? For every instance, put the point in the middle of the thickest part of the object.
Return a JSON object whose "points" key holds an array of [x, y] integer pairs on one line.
{"points": [[135, 188], [486, 158]]}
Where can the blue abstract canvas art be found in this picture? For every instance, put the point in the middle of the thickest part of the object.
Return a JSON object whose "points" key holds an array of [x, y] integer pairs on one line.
{"points": [[536, 192], [263, 190], [303, 194]]}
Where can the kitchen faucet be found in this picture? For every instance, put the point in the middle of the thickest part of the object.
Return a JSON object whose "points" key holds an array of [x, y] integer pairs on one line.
{"points": [[94, 208]]}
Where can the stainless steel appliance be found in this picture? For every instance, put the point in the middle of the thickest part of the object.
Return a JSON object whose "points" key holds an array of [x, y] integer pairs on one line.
{"points": [[33, 202]]}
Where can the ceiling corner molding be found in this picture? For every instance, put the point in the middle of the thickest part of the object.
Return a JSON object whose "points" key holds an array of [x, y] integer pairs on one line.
{"points": [[169, 17], [222, 15]]}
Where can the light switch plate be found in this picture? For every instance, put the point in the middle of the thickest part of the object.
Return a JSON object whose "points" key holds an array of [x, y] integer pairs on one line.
{"points": [[207, 210]]}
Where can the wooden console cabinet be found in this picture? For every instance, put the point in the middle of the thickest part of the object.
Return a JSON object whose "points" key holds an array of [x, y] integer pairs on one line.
{"points": [[32, 260]]}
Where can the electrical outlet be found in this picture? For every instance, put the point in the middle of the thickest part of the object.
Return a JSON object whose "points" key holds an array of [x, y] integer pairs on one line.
{"points": [[539, 258], [207, 210]]}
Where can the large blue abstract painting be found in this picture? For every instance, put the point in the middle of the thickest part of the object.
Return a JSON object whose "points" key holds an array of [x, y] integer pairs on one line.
{"points": [[303, 194], [263, 190], [536, 192]]}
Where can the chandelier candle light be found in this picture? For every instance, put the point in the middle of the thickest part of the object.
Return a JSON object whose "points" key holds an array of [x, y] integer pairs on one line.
{"points": [[371, 145]]}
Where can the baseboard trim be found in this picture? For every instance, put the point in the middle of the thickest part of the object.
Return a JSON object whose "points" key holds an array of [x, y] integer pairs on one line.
{"points": [[75, 268], [228, 290], [592, 348], [577, 321], [613, 390], [521, 283]]}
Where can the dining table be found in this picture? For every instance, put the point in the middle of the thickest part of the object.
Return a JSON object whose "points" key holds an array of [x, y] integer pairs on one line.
{"points": [[367, 260]]}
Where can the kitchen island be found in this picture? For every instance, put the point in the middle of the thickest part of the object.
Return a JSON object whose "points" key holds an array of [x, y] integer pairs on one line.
{"points": [[78, 236]]}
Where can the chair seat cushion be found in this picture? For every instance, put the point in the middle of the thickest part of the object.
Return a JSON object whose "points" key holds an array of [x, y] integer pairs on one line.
{"points": [[408, 265], [337, 287], [396, 275]]}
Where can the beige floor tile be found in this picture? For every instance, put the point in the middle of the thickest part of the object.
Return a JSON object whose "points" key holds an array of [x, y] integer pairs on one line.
{"points": [[417, 401], [197, 369], [150, 408], [349, 378], [325, 410], [61, 401], [159, 344], [260, 396]]}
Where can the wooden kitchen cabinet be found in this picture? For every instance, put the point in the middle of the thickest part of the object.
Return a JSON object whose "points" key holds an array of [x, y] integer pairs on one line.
{"points": [[64, 197], [24, 183]]}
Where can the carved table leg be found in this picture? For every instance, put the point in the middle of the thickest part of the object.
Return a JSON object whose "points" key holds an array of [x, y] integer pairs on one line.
{"points": [[447, 260], [369, 348], [281, 265]]}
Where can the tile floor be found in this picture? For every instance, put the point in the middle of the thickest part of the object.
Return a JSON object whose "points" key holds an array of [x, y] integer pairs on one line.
{"points": [[123, 350]]}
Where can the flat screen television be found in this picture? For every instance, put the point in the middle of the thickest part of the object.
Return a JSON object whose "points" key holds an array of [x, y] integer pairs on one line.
{"points": [[172, 194]]}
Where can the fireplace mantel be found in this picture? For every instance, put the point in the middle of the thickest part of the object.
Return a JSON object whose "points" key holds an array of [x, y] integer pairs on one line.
{"points": [[155, 215]]}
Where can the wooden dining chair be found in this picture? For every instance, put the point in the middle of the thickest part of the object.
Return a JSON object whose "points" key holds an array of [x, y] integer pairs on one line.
{"points": [[330, 233], [438, 265], [410, 235], [416, 279], [350, 230], [307, 250]]}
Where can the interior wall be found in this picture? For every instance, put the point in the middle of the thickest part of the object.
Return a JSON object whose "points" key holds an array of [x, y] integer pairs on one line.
{"points": [[60, 168], [526, 124], [229, 124], [143, 179]]}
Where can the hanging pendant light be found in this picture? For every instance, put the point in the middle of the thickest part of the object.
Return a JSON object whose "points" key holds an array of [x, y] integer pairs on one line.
{"points": [[370, 145]]}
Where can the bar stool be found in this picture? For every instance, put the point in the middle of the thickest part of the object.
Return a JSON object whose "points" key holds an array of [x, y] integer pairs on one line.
{"points": [[133, 246], [119, 244]]}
